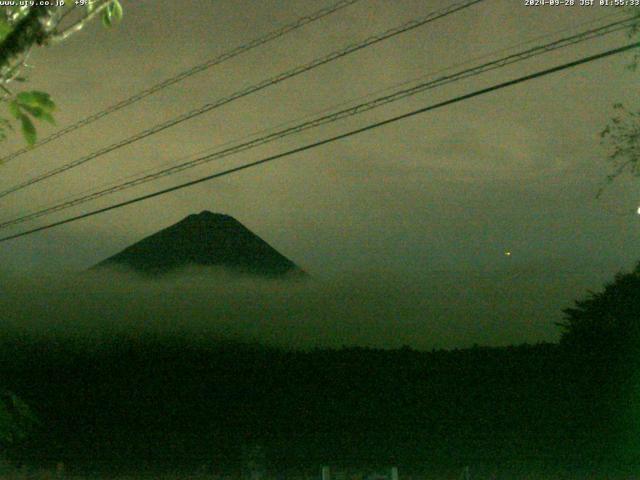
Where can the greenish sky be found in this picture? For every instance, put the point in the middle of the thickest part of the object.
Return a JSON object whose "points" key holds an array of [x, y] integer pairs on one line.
{"points": [[449, 191]]}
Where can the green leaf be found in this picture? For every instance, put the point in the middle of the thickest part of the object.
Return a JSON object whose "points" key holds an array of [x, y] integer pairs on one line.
{"points": [[44, 100], [36, 99], [14, 109], [112, 14], [26, 98], [117, 12], [28, 129], [36, 112], [47, 117], [106, 18], [5, 28]]}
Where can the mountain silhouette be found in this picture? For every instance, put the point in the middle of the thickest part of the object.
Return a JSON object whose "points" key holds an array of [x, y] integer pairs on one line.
{"points": [[205, 239]]}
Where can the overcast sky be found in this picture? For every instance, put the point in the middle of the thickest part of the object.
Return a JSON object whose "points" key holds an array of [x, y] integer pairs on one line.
{"points": [[444, 192]]}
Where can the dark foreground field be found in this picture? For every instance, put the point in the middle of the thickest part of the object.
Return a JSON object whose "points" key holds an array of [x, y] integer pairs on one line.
{"points": [[159, 404]]}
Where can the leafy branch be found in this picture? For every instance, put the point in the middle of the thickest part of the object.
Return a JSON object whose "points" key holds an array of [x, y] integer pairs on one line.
{"points": [[32, 104], [21, 29], [622, 134]]}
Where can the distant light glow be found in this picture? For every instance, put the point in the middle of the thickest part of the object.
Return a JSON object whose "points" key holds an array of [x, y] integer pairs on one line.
{"points": [[638, 210], [508, 254]]}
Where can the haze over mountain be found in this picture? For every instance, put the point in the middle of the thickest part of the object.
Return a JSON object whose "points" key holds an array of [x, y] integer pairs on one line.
{"points": [[204, 239]]}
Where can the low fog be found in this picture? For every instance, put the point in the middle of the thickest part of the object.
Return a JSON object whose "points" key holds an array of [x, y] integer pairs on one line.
{"points": [[380, 309]]}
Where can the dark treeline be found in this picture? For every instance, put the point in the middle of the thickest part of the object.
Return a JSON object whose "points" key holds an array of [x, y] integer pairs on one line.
{"points": [[166, 403], [169, 402]]}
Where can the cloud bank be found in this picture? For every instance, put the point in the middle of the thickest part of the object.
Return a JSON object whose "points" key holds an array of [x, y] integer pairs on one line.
{"points": [[373, 308]]}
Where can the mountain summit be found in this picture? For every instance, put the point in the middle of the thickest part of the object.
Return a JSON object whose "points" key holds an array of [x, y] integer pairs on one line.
{"points": [[205, 239]]}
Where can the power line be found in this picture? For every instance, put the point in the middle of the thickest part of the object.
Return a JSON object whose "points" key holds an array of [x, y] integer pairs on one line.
{"points": [[186, 74], [405, 27], [332, 117], [139, 174], [332, 139]]}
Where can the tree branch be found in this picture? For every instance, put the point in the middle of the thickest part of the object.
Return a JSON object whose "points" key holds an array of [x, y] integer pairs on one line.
{"points": [[77, 26], [28, 31]]}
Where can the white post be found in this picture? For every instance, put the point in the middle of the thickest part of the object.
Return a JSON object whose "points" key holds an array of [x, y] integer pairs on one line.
{"points": [[326, 473], [394, 473]]}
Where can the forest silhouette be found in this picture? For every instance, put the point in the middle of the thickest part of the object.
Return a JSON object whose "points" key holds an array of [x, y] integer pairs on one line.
{"points": [[157, 401]]}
